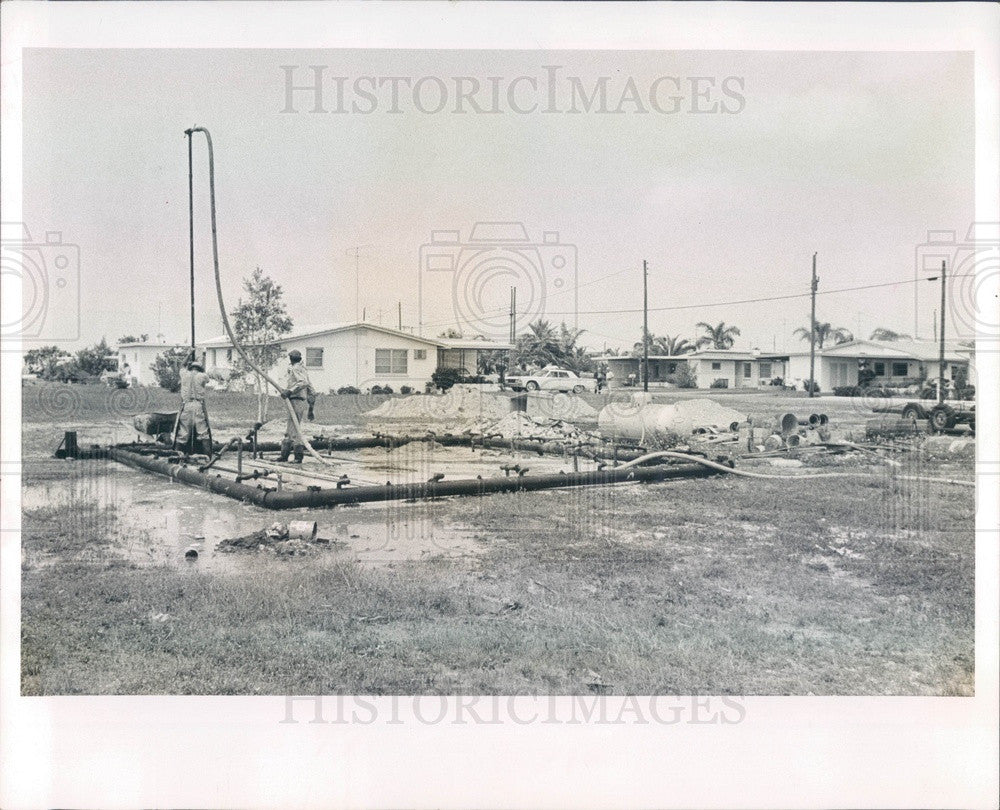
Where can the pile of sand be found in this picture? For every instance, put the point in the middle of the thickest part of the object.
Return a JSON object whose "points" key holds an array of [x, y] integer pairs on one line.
{"points": [[461, 403], [543, 405], [461, 408]]}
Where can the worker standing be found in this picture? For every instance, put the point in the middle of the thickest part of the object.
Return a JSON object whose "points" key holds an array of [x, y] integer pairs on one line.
{"points": [[194, 411], [298, 391]]}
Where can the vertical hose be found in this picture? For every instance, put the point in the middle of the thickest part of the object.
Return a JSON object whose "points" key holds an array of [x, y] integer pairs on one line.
{"points": [[222, 303]]}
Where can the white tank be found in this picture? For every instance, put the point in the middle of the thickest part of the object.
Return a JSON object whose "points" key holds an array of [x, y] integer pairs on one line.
{"points": [[665, 425]]}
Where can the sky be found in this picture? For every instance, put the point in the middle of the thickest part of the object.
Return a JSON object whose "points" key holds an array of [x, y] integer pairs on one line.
{"points": [[725, 171]]}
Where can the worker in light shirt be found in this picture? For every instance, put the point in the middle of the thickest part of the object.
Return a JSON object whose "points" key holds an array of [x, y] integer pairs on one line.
{"points": [[298, 391], [193, 419]]}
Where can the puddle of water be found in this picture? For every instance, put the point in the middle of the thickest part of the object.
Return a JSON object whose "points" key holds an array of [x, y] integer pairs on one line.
{"points": [[417, 462], [157, 521]]}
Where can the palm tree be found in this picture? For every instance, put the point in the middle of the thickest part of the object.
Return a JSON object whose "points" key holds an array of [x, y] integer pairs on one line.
{"points": [[674, 345], [888, 334], [664, 345], [719, 336], [543, 345], [824, 332]]}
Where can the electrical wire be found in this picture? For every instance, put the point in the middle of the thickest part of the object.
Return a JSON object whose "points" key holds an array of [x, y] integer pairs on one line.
{"points": [[679, 307]]}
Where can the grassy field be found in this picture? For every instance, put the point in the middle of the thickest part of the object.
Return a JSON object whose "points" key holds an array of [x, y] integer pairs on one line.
{"points": [[858, 586]]}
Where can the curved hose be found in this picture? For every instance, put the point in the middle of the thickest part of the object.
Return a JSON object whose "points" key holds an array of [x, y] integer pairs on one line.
{"points": [[747, 474], [222, 303]]}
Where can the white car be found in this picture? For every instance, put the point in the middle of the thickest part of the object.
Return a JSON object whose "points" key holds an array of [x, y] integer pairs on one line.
{"points": [[551, 379]]}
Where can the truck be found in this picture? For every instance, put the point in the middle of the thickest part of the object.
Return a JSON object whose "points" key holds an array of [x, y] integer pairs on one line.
{"points": [[941, 416]]}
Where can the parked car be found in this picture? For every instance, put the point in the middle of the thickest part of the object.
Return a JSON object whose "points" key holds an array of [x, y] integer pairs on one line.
{"points": [[551, 379]]}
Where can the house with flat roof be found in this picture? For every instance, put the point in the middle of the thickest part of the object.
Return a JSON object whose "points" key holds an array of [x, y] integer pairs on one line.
{"points": [[138, 357], [895, 363], [721, 368], [363, 355]]}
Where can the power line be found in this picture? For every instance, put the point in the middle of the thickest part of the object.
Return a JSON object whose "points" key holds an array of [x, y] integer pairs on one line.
{"points": [[745, 300], [790, 296]]}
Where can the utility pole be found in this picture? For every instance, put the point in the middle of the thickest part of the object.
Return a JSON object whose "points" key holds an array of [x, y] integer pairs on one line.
{"points": [[513, 314], [645, 326], [189, 132], [941, 350], [812, 332], [356, 250]]}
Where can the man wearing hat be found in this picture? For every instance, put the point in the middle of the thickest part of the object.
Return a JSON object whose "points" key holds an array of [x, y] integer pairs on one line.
{"points": [[297, 391], [194, 412]]}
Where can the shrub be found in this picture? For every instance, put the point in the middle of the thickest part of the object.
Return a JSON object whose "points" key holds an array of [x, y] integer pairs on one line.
{"points": [[720, 383], [806, 386], [405, 389], [381, 389], [846, 391], [348, 389], [445, 378], [684, 377]]}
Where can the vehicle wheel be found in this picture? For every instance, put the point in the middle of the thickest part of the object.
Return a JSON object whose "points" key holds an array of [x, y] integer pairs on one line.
{"points": [[911, 412], [942, 419], [531, 385], [578, 389]]}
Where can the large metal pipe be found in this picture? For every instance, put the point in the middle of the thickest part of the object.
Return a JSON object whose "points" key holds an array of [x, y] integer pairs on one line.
{"points": [[291, 499], [524, 444]]}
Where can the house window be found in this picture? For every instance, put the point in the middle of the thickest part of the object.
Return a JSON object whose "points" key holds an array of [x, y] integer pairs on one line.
{"points": [[765, 369], [390, 361], [215, 360], [900, 369], [879, 369], [314, 358], [420, 354], [716, 366], [748, 370], [229, 355]]}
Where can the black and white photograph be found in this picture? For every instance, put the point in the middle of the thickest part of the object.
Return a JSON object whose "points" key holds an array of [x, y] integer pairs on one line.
{"points": [[388, 379]]}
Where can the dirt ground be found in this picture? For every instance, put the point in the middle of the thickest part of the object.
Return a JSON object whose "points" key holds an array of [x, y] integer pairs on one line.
{"points": [[858, 585]]}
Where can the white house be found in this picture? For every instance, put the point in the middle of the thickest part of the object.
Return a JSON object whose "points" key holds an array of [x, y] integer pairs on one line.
{"points": [[732, 368], [728, 368], [895, 363], [139, 357], [363, 355]]}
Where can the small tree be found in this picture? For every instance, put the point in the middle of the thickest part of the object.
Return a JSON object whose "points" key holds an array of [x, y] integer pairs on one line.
{"points": [[259, 322], [133, 339], [167, 367], [95, 359], [44, 360]]}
